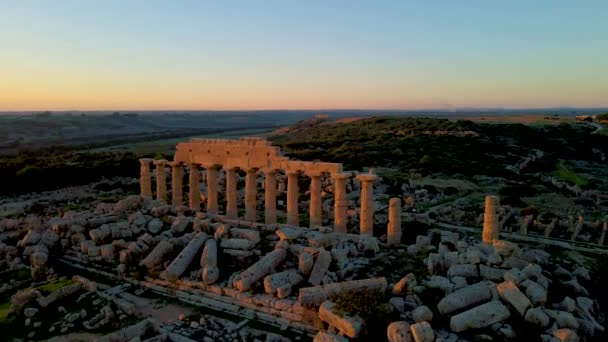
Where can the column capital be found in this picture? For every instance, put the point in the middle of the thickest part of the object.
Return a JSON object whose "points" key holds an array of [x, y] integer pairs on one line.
{"points": [[160, 162], [341, 175], [313, 173], [269, 171], [292, 172], [251, 169], [366, 177], [145, 161], [210, 166], [175, 163]]}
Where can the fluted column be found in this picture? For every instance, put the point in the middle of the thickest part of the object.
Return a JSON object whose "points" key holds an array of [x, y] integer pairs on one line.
{"points": [[212, 188], [161, 180], [270, 196], [491, 228], [194, 189], [393, 231], [177, 196], [316, 214], [366, 215], [340, 202], [250, 195], [145, 182], [231, 194], [292, 197]]}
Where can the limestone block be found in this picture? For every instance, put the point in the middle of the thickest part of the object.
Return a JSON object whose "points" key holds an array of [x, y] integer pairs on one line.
{"points": [[536, 293], [537, 316], [349, 326], [320, 267], [490, 273], [209, 262], [510, 293], [327, 337], [422, 332], [107, 252], [566, 335], [405, 285], [180, 224], [305, 263], [480, 316], [505, 248], [422, 243], [155, 226], [242, 244], [422, 313], [315, 295], [283, 280], [462, 298], [399, 332], [466, 270], [183, 260], [394, 222], [255, 272], [247, 234], [288, 233], [563, 319]]}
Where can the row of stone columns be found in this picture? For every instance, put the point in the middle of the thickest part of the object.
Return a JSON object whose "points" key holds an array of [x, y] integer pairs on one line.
{"points": [[340, 201]]}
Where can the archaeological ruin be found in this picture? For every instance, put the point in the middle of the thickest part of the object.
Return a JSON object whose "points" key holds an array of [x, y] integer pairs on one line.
{"points": [[239, 229]]}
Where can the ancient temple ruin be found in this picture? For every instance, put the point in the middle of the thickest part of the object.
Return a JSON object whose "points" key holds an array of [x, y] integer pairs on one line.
{"points": [[255, 156]]}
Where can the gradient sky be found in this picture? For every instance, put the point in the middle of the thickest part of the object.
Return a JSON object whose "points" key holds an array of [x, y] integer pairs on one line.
{"points": [[266, 54]]}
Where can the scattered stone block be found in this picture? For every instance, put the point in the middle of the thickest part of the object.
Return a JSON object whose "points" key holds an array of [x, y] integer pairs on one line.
{"points": [[480, 316]]}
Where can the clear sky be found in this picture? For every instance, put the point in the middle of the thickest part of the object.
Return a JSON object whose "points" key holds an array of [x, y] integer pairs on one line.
{"points": [[308, 54]]}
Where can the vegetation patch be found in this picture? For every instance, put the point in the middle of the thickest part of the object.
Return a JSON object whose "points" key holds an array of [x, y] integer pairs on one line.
{"points": [[53, 286], [569, 176]]}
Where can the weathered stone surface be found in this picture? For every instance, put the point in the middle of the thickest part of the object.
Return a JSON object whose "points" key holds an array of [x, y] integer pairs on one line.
{"points": [[422, 313], [290, 234], [465, 297], [490, 273], [156, 256], [422, 332], [305, 263], [466, 270], [320, 267], [405, 285], [315, 295], [537, 316], [480, 316], [510, 293], [180, 224], [282, 280], [491, 228], [536, 293], [178, 266], [241, 244], [326, 337], [349, 326], [209, 262], [255, 272], [155, 226], [394, 222], [566, 335], [399, 332]]}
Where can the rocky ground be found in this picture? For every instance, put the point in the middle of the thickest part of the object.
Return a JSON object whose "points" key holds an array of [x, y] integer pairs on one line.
{"points": [[290, 283]]}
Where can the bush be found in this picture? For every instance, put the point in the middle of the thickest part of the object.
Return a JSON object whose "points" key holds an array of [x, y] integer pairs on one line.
{"points": [[371, 306]]}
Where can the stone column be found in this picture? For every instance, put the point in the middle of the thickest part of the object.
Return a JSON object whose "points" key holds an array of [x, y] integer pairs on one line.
{"points": [[316, 213], [292, 197], [212, 187], [250, 195], [491, 229], [366, 216], [270, 197], [195, 190], [603, 236], [394, 221], [145, 182], [340, 202], [177, 199], [231, 194], [161, 180]]}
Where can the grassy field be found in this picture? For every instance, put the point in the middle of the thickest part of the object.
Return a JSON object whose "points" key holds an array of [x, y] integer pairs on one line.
{"points": [[167, 146]]}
